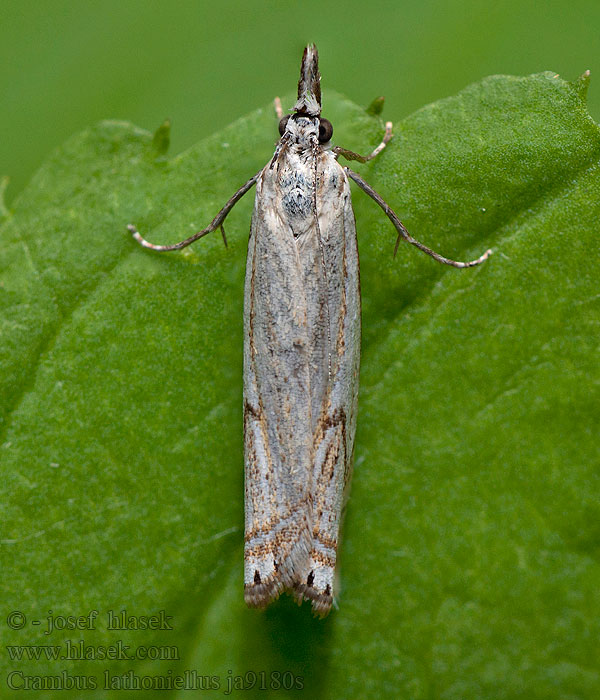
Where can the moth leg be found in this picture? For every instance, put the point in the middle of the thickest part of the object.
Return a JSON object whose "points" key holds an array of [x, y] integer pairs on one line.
{"points": [[216, 223], [350, 155], [404, 234], [278, 108]]}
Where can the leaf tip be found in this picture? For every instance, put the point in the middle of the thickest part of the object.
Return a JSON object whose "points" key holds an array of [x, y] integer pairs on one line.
{"points": [[162, 139], [3, 185], [582, 83], [376, 107]]}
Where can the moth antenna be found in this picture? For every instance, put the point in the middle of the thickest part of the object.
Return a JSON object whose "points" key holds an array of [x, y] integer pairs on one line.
{"points": [[278, 108]]}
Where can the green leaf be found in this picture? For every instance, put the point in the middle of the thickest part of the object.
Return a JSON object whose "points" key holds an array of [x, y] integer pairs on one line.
{"points": [[470, 557]]}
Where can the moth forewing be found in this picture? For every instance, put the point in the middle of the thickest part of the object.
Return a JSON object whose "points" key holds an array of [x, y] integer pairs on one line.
{"points": [[336, 424], [276, 388], [301, 357]]}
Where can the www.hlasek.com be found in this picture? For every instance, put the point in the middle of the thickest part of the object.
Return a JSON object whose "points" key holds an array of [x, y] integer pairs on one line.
{"points": [[184, 680], [80, 651]]}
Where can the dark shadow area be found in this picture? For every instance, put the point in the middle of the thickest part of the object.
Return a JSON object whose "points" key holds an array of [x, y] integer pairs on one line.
{"points": [[294, 644]]}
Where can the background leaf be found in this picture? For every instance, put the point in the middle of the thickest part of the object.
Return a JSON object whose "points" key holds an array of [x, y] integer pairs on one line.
{"points": [[470, 554]]}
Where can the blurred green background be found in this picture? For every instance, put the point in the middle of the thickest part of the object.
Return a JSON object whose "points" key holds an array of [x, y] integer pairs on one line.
{"points": [[66, 64]]}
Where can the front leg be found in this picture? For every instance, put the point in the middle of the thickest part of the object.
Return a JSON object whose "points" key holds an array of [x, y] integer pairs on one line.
{"points": [[350, 155]]}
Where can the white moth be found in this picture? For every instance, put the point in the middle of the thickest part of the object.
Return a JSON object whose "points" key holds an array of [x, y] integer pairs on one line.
{"points": [[301, 352]]}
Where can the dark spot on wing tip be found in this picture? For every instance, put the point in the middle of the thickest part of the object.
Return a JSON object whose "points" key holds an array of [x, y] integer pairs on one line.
{"points": [[259, 595], [275, 566], [321, 600], [321, 604], [256, 576]]}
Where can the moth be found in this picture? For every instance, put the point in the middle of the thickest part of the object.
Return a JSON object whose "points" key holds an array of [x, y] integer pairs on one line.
{"points": [[302, 325]]}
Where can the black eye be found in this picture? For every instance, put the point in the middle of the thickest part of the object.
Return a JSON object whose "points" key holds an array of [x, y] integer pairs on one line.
{"points": [[325, 130], [282, 122]]}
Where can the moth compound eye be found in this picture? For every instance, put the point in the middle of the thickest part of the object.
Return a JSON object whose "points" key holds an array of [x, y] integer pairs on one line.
{"points": [[325, 130], [282, 124]]}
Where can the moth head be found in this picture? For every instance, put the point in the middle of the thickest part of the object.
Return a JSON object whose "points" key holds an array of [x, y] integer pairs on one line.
{"points": [[306, 127], [305, 131]]}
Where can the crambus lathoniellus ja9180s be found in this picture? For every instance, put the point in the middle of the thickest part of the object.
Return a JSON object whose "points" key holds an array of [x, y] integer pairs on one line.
{"points": [[301, 351]]}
